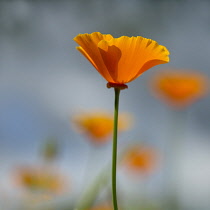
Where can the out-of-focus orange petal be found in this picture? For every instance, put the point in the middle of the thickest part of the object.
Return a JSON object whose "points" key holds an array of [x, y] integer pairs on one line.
{"points": [[40, 179], [179, 88], [140, 158], [98, 126], [89, 42], [102, 207]]}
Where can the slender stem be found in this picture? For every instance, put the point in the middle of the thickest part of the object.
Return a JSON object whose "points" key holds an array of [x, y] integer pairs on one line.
{"points": [[114, 149]]}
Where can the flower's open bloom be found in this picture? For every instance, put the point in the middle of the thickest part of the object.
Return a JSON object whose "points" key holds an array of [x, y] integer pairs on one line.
{"points": [[179, 88], [121, 60], [141, 158], [99, 125]]}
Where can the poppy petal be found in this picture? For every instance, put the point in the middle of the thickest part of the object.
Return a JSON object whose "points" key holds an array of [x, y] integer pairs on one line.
{"points": [[158, 55], [111, 56], [121, 60], [135, 53], [88, 42], [86, 55]]}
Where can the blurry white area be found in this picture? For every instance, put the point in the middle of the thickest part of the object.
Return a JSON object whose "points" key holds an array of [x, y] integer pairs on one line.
{"points": [[44, 81], [194, 173]]}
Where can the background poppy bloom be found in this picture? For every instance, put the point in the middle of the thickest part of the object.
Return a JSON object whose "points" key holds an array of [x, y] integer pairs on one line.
{"points": [[102, 207], [121, 60], [141, 158], [40, 180], [99, 125], [179, 88]]}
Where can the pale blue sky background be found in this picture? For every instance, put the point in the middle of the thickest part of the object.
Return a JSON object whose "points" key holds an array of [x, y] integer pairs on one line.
{"points": [[44, 80]]}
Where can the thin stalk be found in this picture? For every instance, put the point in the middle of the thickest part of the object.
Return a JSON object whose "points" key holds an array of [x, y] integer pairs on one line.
{"points": [[114, 148]]}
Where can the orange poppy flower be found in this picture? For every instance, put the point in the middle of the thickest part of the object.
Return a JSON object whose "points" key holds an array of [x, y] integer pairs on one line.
{"points": [[102, 207], [39, 179], [99, 125], [179, 88], [140, 158], [121, 60]]}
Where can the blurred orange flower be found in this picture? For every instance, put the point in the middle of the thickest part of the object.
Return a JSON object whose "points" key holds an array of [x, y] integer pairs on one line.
{"points": [[179, 88], [141, 158], [102, 207], [121, 60], [39, 179], [99, 125]]}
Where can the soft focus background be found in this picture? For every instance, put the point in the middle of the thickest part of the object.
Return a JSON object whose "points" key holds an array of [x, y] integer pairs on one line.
{"points": [[44, 81]]}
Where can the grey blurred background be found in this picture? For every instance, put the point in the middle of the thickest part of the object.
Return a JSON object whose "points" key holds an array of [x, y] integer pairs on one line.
{"points": [[44, 81]]}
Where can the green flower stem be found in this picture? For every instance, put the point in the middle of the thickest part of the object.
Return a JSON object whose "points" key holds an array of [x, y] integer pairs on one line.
{"points": [[114, 148], [100, 181]]}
